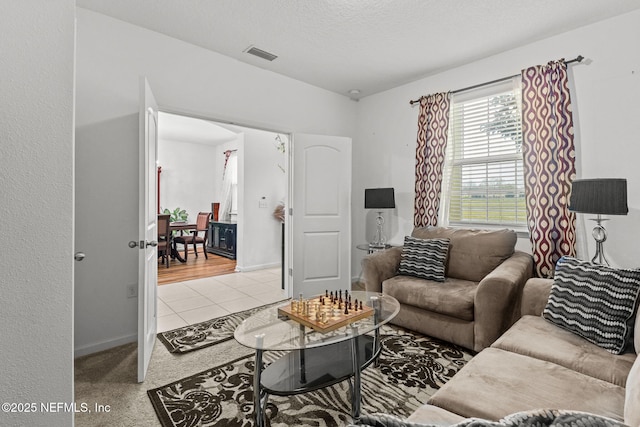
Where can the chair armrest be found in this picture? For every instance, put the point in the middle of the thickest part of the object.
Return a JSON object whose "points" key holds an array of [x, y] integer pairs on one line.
{"points": [[534, 296], [497, 301], [380, 266]]}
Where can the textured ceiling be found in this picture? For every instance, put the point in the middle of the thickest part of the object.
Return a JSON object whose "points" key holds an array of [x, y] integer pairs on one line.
{"points": [[369, 45]]}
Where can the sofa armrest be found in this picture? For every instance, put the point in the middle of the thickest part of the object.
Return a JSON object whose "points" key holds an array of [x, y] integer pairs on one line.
{"points": [[497, 301], [380, 266], [534, 296]]}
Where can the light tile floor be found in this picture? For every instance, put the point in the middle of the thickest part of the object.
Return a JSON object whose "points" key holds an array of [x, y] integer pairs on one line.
{"points": [[184, 303]]}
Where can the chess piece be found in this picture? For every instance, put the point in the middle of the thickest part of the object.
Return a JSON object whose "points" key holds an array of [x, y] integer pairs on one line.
{"points": [[360, 305], [326, 293], [346, 309]]}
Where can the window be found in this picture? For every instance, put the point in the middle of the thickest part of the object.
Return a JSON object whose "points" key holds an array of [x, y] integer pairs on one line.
{"points": [[484, 183]]}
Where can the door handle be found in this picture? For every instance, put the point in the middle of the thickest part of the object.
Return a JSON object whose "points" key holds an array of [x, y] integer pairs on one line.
{"points": [[79, 256], [142, 244]]}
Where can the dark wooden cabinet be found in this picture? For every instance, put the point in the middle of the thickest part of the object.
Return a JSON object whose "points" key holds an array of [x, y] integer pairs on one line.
{"points": [[222, 239]]}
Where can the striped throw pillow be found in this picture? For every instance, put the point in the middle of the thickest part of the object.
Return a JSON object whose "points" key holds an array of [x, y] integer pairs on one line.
{"points": [[424, 258], [594, 301]]}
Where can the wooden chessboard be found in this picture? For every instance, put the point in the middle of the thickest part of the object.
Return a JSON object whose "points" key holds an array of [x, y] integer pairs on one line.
{"points": [[335, 317]]}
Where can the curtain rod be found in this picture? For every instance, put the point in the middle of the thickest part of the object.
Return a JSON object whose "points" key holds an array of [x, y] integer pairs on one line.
{"points": [[578, 58]]}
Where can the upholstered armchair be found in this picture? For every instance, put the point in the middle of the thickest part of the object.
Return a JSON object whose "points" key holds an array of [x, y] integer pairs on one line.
{"points": [[476, 299]]}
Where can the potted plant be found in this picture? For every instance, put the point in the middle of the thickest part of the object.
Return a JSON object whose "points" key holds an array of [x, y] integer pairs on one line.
{"points": [[177, 215]]}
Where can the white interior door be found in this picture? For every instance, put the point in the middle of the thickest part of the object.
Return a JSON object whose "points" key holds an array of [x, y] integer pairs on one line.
{"points": [[148, 215], [321, 216]]}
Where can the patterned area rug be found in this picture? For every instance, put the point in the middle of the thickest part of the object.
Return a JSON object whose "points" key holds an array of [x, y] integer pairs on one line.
{"points": [[412, 367], [204, 334]]}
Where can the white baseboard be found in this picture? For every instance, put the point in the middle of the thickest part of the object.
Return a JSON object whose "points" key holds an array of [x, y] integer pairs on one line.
{"points": [[105, 345], [257, 267]]}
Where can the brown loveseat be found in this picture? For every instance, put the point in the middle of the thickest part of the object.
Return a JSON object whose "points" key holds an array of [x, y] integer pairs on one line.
{"points": [[479, 297], [536, 364]]}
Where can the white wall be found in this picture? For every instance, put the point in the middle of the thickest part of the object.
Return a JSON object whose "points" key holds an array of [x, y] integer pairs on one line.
{"points": [[188, 178], [607, 125], [111, 55], [36, 204], [259, 179]]}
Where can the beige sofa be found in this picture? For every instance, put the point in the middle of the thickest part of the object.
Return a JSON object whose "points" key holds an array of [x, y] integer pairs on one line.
{"points": [[479, 299], [538, 365]]}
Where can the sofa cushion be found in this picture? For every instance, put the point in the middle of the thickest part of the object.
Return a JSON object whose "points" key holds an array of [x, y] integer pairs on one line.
{"points": [[632, 398], [533, 336], [424, 258], [497, 383], [453, 298], [472, 253], [434, 415], [594, 301]]}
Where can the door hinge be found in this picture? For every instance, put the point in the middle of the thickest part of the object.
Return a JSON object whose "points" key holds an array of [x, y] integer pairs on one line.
{"points": [[290, 271], [290, 211]]}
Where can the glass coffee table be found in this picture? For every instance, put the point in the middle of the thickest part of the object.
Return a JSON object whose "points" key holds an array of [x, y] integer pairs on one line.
{"points": [[315, 358]]}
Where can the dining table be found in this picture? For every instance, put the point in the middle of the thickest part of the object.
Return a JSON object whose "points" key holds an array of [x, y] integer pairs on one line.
{"points": [[181, 227]]}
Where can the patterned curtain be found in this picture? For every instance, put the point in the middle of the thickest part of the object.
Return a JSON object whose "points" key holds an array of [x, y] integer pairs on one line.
{"points": [[548, 155], [433, 126]]}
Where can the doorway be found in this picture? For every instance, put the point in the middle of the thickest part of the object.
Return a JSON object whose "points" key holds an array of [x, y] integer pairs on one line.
{"points": [[193, 154]]}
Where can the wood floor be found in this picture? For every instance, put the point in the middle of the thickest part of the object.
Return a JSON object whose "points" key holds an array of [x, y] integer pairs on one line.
{"points": [[194, 268]]}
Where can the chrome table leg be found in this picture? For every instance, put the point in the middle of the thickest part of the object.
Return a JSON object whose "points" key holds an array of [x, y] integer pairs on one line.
{"points": [[259, 394], [355, 392]]}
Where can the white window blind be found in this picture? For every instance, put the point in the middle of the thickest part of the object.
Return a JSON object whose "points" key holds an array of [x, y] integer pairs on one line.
{"points": [[484, 183]]}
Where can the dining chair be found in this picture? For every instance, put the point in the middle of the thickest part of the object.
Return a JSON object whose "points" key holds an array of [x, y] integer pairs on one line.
{"points": [[164, 238], [202, 225]]}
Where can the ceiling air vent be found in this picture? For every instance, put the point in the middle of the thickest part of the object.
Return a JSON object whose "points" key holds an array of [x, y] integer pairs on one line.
{"points": [[260, 53]]}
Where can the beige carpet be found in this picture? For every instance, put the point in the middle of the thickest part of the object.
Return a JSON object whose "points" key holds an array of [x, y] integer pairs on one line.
{"points": [[110, 378]]}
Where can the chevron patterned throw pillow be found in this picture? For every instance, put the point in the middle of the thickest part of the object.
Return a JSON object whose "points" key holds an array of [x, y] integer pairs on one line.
{"points": [[594, 301], [424, 258]]}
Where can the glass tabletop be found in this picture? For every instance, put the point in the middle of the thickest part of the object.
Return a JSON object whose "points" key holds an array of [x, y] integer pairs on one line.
{"points": [[270, 330]]}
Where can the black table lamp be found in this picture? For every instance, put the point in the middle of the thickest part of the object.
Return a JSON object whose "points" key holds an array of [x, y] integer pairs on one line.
{"points": [[603, 196], [379, 198]]}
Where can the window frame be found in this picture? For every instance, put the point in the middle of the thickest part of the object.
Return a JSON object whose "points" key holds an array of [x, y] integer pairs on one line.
{"points": [[509, 86]]}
